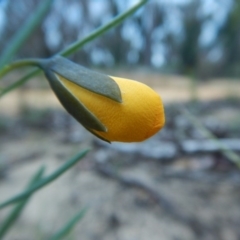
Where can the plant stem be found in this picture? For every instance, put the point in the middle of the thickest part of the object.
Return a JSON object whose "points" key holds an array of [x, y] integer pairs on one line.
{"points": [[80, 43], [21, 63], [99, 31], [19, 82], [25, 31]]}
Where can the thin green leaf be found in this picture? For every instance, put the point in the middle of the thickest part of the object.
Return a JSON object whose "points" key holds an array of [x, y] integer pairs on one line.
{"points": [[15, 213], [100, 31], [62, 233], [80, 43], [24, 32], [21, 63], [43, 182], [18, 83]]}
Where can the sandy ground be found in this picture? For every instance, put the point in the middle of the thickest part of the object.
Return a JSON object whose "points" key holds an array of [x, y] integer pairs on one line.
{"points": [[203, 204]]}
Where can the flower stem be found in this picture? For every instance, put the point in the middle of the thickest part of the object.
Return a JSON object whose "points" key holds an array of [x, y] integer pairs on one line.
{"points": [[72, 48], [24, 32], [99, 31], [21, 63]]}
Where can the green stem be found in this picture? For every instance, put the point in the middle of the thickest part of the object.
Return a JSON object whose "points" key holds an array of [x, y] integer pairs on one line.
{"points": [[99, 31], [15, 213], [19, 82], [62, 233], [80, 43], [21, 63], [25, 31]]}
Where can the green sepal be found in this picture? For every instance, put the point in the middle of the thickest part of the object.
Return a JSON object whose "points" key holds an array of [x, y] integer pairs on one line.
{"points": [[73, 105], [95, 82], [100, 137]]}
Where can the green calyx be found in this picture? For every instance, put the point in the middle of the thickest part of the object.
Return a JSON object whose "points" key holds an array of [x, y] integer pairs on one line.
{"points": [[73, 105], [95, 82]]}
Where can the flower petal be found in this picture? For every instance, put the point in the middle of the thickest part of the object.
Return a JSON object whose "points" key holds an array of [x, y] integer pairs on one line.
{"points": [[138, 117]]}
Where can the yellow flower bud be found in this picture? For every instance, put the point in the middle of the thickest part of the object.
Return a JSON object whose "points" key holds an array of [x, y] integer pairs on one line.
{"points": [[138, 117], [113, 109]]}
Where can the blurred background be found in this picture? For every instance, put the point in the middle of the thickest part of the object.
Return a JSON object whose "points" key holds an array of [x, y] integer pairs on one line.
{"points": [[178, 185], [179, 36]]}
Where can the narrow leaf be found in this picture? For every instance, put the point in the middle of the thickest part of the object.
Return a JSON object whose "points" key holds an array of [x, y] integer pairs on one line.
{"points": [[43, 182], [62, 233], [15, 213], [18, 83], [101, 30], [24, 32]]}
